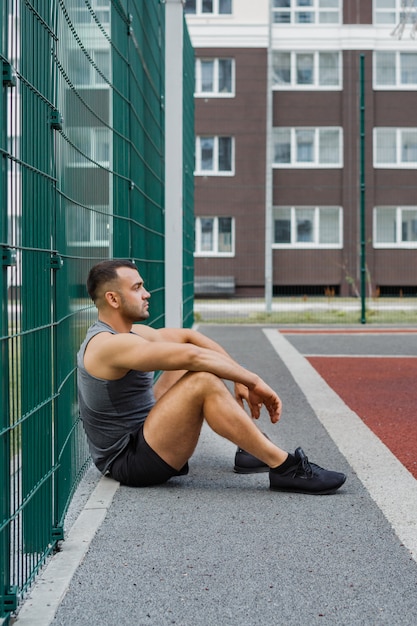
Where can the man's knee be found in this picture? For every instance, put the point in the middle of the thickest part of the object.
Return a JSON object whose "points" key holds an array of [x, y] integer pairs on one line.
{"points": [[205, 381]]}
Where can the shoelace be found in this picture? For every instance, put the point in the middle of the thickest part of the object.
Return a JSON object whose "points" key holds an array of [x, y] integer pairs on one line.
{"points": [[304, 467]]}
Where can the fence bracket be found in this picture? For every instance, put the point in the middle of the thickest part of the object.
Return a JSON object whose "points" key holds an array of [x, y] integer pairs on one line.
{"points": [[9, 75], [58, 533], [56, 261], [10, 599], [56, 120], [8, 256]]}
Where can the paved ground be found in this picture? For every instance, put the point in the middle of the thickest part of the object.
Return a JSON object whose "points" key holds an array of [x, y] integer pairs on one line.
{"points": [[218, 548]]}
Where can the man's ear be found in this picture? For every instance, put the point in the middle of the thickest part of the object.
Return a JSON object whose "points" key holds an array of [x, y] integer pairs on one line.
{"points": [[112, 299]]}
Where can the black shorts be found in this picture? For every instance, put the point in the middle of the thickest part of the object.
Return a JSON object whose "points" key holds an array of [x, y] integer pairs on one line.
{"points": [[139, 466]]}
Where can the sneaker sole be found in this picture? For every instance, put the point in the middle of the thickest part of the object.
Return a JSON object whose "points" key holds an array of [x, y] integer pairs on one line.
{"points": [[324, 492], [248, 470]]}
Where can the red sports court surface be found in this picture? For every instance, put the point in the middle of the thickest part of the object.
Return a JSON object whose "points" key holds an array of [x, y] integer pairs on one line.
{"points": [[381, 390]]}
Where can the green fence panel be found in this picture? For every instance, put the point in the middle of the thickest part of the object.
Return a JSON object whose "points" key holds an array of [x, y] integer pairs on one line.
{"points": [[138, 122], [123, 185], [81, 179], [82, 213], [36, 99]]}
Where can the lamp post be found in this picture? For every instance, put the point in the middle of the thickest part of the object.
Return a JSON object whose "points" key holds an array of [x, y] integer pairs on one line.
{"points": [[268, 174]]}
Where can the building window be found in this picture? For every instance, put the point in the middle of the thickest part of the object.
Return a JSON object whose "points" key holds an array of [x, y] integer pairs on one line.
{"points": [[88, 226], [214, 236], [208, 7], [89, 144], [395, 70], [308, 147], [214, 77], [395, 147], [83, 73], [214, 156], [306, 11], [395, 227], [307, 227], [307, 70], [391, 12], [100, 9]]}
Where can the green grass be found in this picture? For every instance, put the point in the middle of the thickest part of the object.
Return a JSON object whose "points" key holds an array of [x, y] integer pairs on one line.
{"points": [[303, 310]]}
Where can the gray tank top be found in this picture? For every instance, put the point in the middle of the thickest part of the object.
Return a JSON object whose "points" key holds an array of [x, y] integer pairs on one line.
{"points": [[111, 410]]}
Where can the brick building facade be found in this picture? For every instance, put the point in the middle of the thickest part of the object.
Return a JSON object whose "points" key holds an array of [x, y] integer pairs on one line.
{"points": [[291, 76]]}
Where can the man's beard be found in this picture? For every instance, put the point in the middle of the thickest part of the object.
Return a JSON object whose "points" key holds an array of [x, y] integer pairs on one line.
{"points": [[133, 313]]}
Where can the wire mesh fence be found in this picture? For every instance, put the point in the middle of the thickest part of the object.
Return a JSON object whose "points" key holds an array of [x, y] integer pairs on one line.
{"points": [[82, 179]]}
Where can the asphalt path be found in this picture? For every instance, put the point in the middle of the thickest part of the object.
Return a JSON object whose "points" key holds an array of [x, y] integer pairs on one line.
{"points": [[217, 548]]}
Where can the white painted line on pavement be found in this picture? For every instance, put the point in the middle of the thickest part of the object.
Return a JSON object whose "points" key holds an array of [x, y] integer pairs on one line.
{"points": [[359, 356], [47, 593], [389, 483]]}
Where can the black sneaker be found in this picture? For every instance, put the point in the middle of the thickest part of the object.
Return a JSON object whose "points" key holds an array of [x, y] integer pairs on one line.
{"points": [[306, 477], [246, 463]]}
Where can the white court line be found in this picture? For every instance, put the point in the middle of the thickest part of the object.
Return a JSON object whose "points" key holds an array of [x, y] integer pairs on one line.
{"points": [[360, 356], [50, 588], [388, 482]]}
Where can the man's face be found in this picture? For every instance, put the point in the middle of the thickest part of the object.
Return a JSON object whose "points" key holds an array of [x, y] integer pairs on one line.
{"points": [[133, 295]]}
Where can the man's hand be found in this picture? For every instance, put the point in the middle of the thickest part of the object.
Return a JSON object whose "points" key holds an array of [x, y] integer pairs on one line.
{"points": [[242, 395], [260, 395]]}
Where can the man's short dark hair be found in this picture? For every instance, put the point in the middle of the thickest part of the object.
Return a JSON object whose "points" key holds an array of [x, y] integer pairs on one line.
{"points": [[104, 272]]}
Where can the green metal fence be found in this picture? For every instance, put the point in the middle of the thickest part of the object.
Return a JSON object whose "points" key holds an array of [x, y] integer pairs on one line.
{"points": [[82, 179]]}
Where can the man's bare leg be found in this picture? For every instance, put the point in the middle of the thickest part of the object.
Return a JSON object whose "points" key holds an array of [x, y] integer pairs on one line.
{"points": [[166, 381], [173, 426]]}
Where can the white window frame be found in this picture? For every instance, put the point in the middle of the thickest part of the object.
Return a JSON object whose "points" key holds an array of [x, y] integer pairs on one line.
{"points": [[395, 12], [213, 253], [398, 243], [93, 133], [93, 212], [316, 9], [199, 93], [398, 163], [94, 80], [199, 9], [101, 9], [315, 163], [315, 244], [215, 171], [397, 84], [315, 85]]}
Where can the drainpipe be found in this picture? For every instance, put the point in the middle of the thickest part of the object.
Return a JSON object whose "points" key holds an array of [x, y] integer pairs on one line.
{"points": [[362, 189]]}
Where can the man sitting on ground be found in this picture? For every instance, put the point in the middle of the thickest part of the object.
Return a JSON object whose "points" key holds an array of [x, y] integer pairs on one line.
{"points": [[142, 433]]}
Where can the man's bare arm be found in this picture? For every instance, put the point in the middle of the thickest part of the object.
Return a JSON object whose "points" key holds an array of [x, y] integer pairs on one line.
{"points": [[185, 335], [110, 356], [178, 335]]}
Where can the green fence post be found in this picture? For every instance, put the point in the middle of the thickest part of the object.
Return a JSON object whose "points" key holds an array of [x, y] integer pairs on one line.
{"points": [[8, 593], [188, 181], [4, 385]]}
